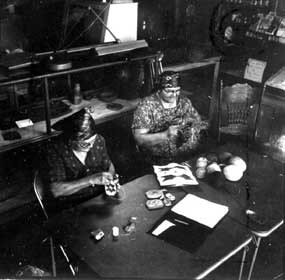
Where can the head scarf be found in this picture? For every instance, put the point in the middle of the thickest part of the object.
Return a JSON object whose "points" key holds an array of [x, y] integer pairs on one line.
{"points": [[79, 126], [169, 79]]}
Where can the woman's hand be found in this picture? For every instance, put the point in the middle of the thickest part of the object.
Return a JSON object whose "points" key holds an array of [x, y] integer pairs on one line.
{"points": [[172, 131], [103, 178]]}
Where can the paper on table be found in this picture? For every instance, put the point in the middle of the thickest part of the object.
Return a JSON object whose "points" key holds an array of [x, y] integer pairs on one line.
{"points": [[174, 174], [162, 227], [200, 210], [24, 123]]}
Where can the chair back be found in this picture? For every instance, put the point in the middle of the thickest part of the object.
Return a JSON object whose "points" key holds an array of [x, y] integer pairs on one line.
{"points": [[237, 111], [236, 118], [39, 191]]}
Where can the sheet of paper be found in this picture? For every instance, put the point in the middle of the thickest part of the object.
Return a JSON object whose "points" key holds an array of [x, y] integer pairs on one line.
{"points": [[200, 210], [174, 174], [162, 227], [24, 123], [254, 70]]}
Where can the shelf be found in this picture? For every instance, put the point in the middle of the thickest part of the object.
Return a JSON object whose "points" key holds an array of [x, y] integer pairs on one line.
{"points": [[263, 36], [26, 76], [37, 132], [43, 129], [265, 4]]}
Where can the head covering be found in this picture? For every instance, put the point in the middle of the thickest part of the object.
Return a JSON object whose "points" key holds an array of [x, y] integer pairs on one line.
{"points": [[79, 126], [82, 125], [169, 79]]}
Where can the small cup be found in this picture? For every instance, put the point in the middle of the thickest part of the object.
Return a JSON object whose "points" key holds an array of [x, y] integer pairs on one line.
{"points": [[201, 172]]}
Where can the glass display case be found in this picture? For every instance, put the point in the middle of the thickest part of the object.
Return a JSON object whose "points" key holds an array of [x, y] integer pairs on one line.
{"points": [[34, 96]]}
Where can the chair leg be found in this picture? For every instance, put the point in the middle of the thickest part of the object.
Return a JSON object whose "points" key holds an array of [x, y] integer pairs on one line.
{"points": [[67, 260], [52, 257]]}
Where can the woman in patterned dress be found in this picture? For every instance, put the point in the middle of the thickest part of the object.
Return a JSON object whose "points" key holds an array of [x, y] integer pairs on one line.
{"points": [[166, 126], [77, 164]]}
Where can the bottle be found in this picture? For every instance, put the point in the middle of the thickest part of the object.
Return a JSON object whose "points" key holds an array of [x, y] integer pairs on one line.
{"points": [[77, 97]]}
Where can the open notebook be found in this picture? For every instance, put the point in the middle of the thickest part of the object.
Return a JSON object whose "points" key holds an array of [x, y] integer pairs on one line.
{"points": [[174, 175], [188, 224], [200, 210]]}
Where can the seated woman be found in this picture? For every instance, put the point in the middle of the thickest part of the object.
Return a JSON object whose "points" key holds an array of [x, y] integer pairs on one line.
{"points": [[166, 126], [77, 164]]}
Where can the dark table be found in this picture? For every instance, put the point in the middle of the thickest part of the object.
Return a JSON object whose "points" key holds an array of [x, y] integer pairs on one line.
{"points": [[260, 190], [140, 254]]}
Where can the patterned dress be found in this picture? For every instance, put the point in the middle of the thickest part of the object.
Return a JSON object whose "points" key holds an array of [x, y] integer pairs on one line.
{"points": [[150, 114], [61, 165]]}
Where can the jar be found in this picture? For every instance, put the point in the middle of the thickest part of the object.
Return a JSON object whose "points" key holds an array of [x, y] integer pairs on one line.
{"points": [[77, 97]]}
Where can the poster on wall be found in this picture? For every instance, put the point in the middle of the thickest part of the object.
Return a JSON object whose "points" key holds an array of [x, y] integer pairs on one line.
{"points": [[254, 70]]}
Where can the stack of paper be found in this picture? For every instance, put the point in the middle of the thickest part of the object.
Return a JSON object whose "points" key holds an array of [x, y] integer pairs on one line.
{"points": [[200, 210], [174, 175]]}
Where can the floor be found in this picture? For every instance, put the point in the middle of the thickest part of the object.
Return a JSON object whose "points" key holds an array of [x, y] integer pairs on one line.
{"points": [[23, 242]]}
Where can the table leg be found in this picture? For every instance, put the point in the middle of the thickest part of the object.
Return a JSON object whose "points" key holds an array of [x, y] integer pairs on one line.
{"points": [[254, 257], [245, 249]]}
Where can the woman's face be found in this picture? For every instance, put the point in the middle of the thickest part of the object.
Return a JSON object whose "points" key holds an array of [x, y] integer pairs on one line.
{"points": [[84, 145], [169, 95]]}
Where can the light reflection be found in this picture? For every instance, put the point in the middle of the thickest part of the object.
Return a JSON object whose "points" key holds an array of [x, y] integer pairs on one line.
{"points": [[281, 143]]}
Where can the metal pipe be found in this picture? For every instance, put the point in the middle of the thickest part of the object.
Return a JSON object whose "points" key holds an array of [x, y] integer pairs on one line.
{"points": [[47, 108]]}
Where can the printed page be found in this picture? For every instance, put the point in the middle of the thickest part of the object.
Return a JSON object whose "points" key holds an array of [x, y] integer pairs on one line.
{"points": [[174, 174]]}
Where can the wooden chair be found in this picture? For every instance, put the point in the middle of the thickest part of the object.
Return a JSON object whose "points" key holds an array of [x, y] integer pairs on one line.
{"points": [[38, 190], [236, 115]]}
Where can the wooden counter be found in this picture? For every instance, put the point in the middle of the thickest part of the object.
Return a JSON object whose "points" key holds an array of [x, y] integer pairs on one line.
{"points": [[37, 132]]}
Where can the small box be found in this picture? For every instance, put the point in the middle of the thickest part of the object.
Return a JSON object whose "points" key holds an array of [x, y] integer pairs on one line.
{"points": [[154, 194], [97, 235], [154, 204]]}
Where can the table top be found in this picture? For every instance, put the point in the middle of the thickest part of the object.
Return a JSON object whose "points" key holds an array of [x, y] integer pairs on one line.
{"points": [[140, 254], [264, 179]]}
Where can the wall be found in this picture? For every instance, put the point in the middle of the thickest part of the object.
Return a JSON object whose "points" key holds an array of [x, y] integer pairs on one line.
{"points": [[180, 28]]}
